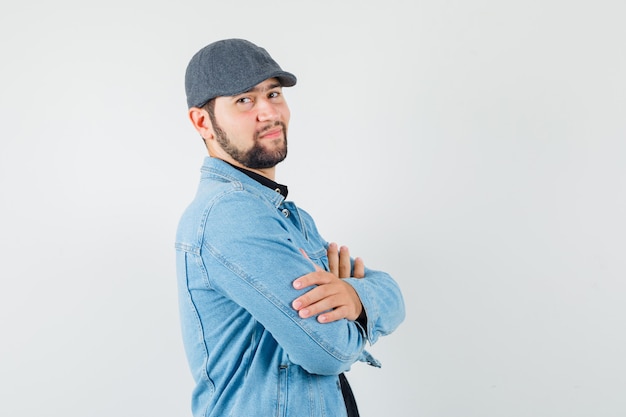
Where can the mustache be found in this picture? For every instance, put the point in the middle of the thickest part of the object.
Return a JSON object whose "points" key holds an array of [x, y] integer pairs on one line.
{"points": [[271, 126]]}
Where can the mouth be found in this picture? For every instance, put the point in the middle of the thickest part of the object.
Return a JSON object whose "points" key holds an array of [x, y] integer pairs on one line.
{"points": [[271, 133]]}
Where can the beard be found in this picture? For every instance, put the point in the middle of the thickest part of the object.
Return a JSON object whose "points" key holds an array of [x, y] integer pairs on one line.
{"points": [[258, 156]]}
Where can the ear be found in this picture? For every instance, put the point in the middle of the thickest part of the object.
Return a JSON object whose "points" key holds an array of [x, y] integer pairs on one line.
{"points": [[201, 122]]}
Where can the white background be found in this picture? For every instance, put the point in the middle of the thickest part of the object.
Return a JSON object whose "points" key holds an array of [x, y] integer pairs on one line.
{"points": [[473, 149]]}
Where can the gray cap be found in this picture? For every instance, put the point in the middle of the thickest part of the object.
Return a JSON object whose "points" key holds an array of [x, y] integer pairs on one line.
{"points": [[229, 67]]}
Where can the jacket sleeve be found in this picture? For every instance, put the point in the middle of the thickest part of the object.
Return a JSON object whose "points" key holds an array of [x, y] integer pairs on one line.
{"points": [[252, 258], [382, 301], [379, 293]]}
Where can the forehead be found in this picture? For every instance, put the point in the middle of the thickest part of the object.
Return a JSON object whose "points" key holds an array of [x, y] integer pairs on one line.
{"points": [[269, 84]]}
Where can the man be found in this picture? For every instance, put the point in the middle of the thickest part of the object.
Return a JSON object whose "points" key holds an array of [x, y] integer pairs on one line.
{"points": [[271, 313]]}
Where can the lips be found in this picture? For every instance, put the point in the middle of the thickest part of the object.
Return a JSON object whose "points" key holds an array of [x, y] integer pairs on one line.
{"points": [[272, 133]]}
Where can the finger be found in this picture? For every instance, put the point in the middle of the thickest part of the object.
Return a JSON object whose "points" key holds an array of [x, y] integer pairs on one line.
{"points": [[317, 300], [342, 312], [343, 309], [359, 268], [318, 277], [333, 258], [334, 315], [344, 262], [316, 309]]}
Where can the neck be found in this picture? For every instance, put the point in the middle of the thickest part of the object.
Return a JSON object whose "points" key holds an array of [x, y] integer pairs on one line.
{"points": [[269, 173]]}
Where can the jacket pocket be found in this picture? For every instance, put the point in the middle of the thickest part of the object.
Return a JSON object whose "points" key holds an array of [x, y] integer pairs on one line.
{"points": [[319, 257], [281, 409]]}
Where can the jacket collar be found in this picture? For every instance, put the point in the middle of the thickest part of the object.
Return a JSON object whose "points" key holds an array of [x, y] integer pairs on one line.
{"points": [[270, 189], [279, 188]]}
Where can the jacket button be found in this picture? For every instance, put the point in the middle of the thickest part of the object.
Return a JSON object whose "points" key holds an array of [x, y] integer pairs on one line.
{"points": [[285, 212]]}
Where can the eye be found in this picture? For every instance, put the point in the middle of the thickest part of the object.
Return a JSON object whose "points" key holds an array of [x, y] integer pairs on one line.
{"points": [[274, 94], [244, 100]]}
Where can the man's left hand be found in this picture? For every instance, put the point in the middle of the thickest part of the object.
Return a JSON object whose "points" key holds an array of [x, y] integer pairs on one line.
{"points": [[332, 298]]}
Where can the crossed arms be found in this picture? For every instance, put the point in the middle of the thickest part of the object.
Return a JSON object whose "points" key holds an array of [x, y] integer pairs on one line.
{"points": [[312, 316]]}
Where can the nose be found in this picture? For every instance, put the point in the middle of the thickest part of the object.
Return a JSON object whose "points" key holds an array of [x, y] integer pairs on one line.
{"points": [[267, 111]]}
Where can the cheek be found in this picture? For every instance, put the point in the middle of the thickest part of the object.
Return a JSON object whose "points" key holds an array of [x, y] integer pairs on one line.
{"points": [[241, 128], [286, 115]]}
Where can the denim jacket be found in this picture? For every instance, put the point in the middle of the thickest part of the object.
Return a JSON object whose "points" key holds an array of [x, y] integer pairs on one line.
{"points": [[238, 252]]}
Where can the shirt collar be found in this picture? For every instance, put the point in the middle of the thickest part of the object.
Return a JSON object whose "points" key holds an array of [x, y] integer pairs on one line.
{"points": [[279, 188]]}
